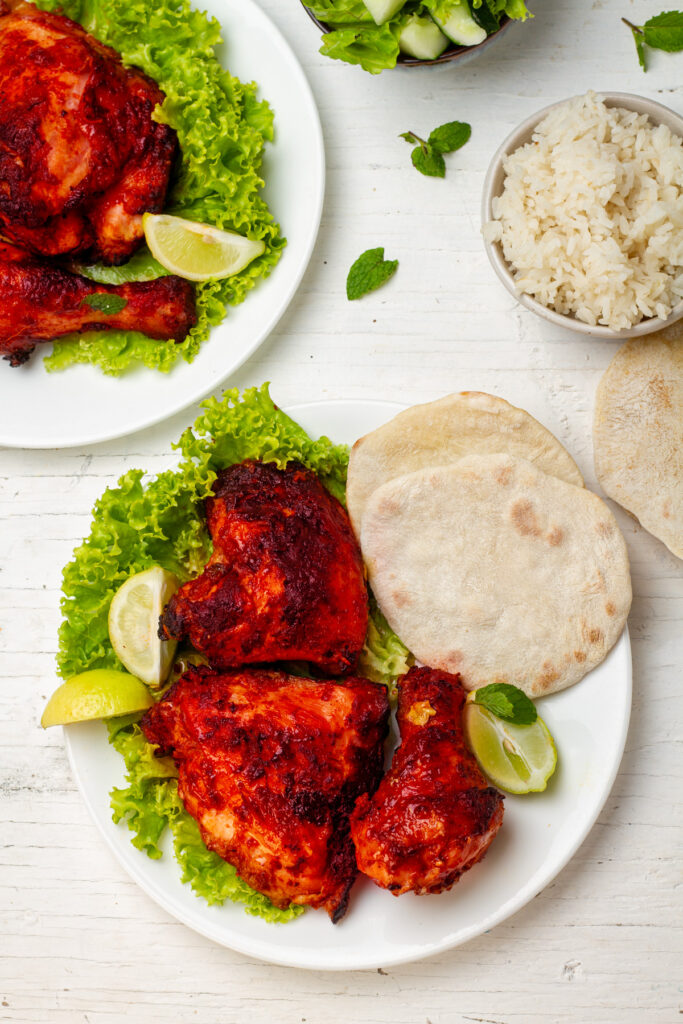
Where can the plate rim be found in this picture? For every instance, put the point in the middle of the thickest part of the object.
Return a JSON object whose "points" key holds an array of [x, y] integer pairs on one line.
{"points": [[255, 948], [278, 310]]}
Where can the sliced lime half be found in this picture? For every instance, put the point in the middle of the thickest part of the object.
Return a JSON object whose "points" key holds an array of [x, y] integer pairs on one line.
{"points": [[134, 624], [516, 758], [198, 252], [100, 693]]}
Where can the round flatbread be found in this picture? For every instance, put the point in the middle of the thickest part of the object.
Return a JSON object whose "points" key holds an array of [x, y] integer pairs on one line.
{"points": [[439, 433], [498, 571], [638, 433]]}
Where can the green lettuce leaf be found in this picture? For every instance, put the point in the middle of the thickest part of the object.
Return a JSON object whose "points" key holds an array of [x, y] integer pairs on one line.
{"points": [[384, 657], [340, 12], [374, 47], [222, 128], [515, 9]]}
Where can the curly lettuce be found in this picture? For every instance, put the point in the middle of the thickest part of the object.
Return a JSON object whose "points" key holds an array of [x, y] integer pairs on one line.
{"points": [[143, 522], [222, 128]]}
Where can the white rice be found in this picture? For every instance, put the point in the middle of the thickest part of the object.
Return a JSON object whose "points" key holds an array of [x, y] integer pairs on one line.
{"points": [[591, 214]]}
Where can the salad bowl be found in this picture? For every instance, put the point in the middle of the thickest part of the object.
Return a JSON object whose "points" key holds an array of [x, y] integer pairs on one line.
{"points": [[461, 54]]}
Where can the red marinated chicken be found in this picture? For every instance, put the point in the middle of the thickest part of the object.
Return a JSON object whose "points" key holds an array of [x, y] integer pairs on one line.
{"points": [[433, 815], [80, 157], [41, 301], [285, 580], [270, 766]]}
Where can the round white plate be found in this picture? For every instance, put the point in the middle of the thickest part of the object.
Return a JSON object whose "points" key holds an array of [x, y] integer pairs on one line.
{"points": [[540, 832], [81, 405]]}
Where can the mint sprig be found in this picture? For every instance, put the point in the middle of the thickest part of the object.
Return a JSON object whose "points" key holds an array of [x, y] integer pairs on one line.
{"points": [[370, 271], [507, 702], [103, 302], [427, 156], [662, 32]]}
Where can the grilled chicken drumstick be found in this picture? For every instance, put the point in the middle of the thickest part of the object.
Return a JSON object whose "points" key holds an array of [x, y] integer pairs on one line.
{"points": [[40, 301], [433, 815], [270, 766], [285, 580], [80, 157]]}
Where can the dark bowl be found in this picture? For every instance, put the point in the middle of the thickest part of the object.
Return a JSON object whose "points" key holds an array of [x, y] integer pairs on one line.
{"points": [[453, 53]]}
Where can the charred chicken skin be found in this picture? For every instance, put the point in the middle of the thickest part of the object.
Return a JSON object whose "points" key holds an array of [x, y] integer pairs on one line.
{"points": [[285, 580], [80, 157], [41, 302], [270, 766], [433, 815]]}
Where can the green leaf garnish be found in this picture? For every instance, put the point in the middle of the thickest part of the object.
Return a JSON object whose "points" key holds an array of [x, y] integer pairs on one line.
{"points": [[665, 31], [662, 32], [105, 303], [427, 155], [369, 272], [428, 161], [449, 137], [507, 702]]}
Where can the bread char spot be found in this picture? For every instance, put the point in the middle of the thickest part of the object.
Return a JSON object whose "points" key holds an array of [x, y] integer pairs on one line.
{"points": [[555, 536], [524, 518]]}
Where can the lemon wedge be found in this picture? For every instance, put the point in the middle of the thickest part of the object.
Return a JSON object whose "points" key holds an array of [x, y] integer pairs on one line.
{"points": [[99, 693], [516, 758], [197, 252], [134, 623]]}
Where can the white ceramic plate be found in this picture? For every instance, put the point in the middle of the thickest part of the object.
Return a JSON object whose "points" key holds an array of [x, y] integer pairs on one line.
{"points": [[540, 833], [81, 405]]}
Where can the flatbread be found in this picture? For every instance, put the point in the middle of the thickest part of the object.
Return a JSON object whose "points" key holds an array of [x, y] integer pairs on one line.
{"points": [[496, 570], [638, 433], [439, 433]]}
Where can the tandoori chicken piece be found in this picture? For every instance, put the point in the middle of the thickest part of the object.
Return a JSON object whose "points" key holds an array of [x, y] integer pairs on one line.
{"points": [[434, 815], [285, 581], [80, 157], [270, 766], [40, 301]]}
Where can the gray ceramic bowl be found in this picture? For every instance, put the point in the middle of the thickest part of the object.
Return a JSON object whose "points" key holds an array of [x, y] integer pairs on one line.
{"points": [[493, 186], [462, 54]]}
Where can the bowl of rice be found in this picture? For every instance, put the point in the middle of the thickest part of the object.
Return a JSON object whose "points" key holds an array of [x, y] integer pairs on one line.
{"points": [[582, 214]]}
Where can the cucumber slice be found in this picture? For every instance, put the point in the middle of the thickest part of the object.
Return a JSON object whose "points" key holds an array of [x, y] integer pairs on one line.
{"points": [[422, 38], [455, 19], [382, 10]]}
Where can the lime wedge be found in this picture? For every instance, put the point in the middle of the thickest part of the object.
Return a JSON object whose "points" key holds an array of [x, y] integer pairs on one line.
{"points": [[134, 623], [198, 252], [516, 758], [100, 693]]}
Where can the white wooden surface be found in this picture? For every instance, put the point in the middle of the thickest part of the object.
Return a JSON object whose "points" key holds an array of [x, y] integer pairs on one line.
{"points": [[79, 942]]}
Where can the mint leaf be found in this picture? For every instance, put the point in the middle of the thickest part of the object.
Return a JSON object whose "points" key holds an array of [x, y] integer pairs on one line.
{"points": [[449, 137], [665, 31], [369, 272], [105, 303], [446, 138], [429, 161], [507, 702]]}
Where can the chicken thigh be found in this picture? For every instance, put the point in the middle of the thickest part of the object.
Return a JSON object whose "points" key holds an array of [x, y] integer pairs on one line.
{"points": [[285, 581], [270, 766], [80, 157]]}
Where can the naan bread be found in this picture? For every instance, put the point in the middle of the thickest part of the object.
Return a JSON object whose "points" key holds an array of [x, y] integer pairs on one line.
{"points": [[496, 570], [638, 433], [439, 433]]}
